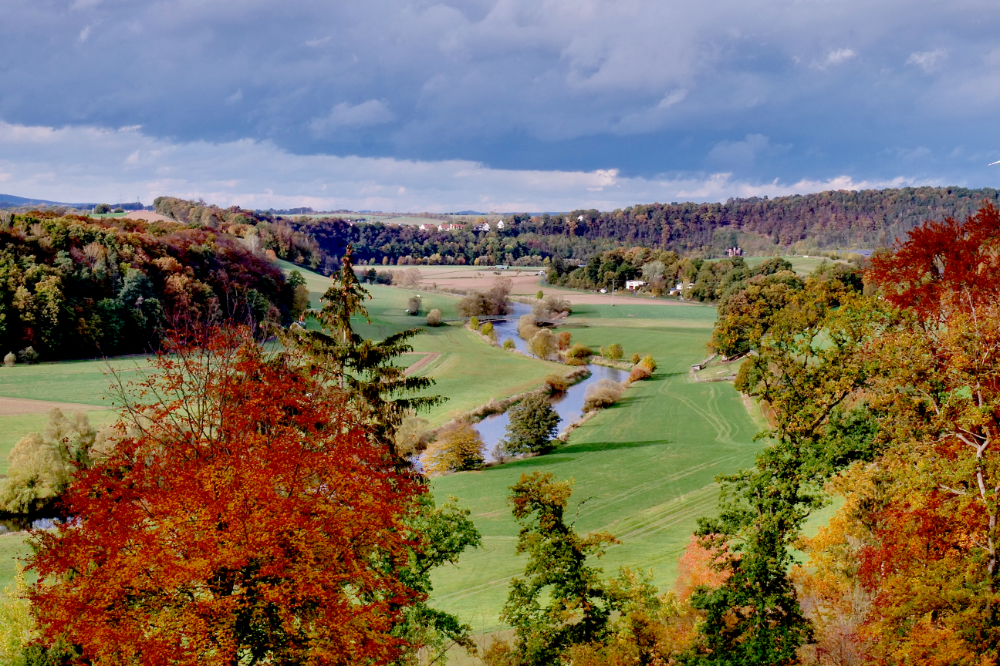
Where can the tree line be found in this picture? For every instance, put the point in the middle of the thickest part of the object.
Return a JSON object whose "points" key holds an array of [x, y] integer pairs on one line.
{"points": [[864, 219]]}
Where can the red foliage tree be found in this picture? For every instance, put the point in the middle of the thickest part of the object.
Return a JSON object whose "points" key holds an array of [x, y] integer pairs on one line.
{"points": [[244, 517], [948, 263]]}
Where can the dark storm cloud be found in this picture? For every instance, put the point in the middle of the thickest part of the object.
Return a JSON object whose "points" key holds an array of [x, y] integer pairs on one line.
{"points": [[779, 89]]}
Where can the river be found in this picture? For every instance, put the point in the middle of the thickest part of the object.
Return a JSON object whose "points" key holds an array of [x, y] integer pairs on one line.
{"points": [[568, 405]]}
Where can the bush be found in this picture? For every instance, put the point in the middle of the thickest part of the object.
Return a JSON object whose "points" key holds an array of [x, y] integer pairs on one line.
{"points": [[10, 360], [434, 317], [509, 344], [615, 352], [539, 295], [533, 424], [639, 373], [563, 340], [552, 306], [27, 355], [635, 359], [413, 306], [474, 323], [412, 436], [408, 278], [496, 301], [542, 344], [579, 351], [457, 447], [102, 209], [526, 326], [603, 394], [556, 383], [648, 362], [487, 329], [576, 361]]}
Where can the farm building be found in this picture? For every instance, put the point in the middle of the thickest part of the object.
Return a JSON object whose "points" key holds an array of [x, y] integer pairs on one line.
{"points": [[632, 285]]}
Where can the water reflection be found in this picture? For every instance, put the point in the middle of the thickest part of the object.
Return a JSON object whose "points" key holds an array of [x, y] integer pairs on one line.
{"points": [[10, 525]]}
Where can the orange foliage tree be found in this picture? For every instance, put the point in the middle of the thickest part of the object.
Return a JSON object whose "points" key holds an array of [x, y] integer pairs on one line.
{"points": [[244, 517], [909, 566]]}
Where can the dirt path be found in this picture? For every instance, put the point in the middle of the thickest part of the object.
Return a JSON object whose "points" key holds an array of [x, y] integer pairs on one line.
{"points": [[422, 363], [21, 406]]}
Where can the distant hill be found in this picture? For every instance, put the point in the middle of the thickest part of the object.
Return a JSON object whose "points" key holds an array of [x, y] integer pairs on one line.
{"points": [[10, 201]]}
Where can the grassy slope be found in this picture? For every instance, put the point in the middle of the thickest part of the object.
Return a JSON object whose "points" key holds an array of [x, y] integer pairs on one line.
{"points": [[11, 546], [467, 371], [800, 264], [647, 465]]}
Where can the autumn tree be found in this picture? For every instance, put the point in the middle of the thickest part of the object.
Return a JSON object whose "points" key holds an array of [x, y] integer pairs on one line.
{"points": [[243, 517], [532, 425], [457, 447], [41, 464], [542, 343]]}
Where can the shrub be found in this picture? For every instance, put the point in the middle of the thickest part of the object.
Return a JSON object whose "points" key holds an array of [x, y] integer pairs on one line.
{"points": [[579, 351], [457, 447], [551, 307], [27, 355], [487, 329], [615, 351], [638, 373], [603, 352], [602, 394], [408, 278], [10, 360], [496, 301], [474, 323], [563, 340], [648, 362], [576, 361], [556, 383], [509, 344], [635, 359], [434, 317], [539, 295], [413, 306], [412, 436], [533, 424], [541, 345], [102, 209], [526, 327]]}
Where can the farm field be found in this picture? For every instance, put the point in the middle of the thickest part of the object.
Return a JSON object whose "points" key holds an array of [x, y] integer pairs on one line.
{"points": [[645, 467]]}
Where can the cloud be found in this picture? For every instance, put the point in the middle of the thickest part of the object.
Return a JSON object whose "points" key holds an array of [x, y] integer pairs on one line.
{"points": [[235, 97], [929, 61], [345, 116], [86, 164], [643, 86], [838, 56], [742, 154]]}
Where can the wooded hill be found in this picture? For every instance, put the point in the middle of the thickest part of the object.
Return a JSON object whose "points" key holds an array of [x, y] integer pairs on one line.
{"points": [[74, 287], [761, 226]]}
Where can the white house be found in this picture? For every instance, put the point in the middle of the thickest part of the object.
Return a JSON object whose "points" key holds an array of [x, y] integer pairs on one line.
{"points": [[427, 227], [500, 224], [484, 227], [632, 285]]}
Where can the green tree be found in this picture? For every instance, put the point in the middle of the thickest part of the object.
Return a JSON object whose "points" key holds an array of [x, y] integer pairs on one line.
{"points": [[560, 601], [533, 423], [808, 366], [377, 385]]}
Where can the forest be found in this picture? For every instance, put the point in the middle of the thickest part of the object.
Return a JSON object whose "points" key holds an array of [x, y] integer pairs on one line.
{"points": [[76, 287], [833, 220]]}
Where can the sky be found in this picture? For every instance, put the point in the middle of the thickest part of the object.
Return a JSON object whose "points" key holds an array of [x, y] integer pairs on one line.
{"points": [[493, 105]]}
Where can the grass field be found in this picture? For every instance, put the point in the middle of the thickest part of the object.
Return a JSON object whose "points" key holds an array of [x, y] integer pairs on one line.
{"points": [[803, 265], [646, 466]]}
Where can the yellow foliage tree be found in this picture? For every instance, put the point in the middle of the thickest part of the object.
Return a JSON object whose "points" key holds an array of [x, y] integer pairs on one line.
{"points": [[457, 447]]}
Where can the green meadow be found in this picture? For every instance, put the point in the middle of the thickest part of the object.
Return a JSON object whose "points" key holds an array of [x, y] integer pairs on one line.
{"points": [[644, 469]]}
